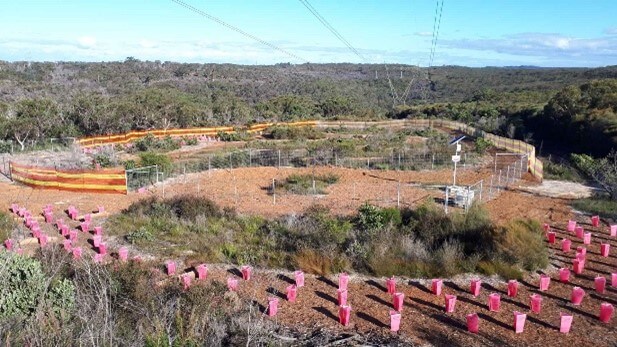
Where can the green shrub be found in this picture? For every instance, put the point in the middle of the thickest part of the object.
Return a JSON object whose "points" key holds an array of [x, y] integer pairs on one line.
{"points": [[601, 206], [522, 242], [282, 132], [161, 160], [481, 145], [103, 160], [303, 184], [233, 136], [7, 225]]}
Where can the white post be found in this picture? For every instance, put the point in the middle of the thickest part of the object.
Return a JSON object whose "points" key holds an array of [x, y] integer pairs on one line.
{"points": [[279, 158], [398, 195], [273, 192], [454, 182]]}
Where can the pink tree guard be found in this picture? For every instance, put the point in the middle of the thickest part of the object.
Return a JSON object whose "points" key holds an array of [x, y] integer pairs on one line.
{"points": [[98, 230], [19, 251], [546, 227], [344, 312], [571, 225], [551, 236], [605, 249], [566, 245], [473, 323], [613, 230], [186, 281], [587, 239], [299, 278], [600, 284], [391, 285], [85, 226], [8, 243], [341, 296], [67, 245], [96, 240], [43, 240], [577, 266], [519, 322], [395, 321], [123, 253], [98, 258], [273, 306], [73, 235], [246, 272], [28, 222], [595, 221], [436, 286], [580, 256], [494, 302], [77, 253], [102, 248], [614, 280], [232, 284], [15, 208], [582, 250], [202, 271], [343, 280], [577, 295], [564, 275], [397, 301], [65, 230], [545, 281], [171, 267], [22, 211], [512, 288], [101, 209], [535, 303], [292, 293], [450, 303], [475, 287], [566, 323], [88, 218], [579, 232], [606, 312], [49, 218]]}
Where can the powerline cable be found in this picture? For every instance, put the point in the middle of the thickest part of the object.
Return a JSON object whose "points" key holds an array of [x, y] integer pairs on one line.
{"points": [[238, 30]]}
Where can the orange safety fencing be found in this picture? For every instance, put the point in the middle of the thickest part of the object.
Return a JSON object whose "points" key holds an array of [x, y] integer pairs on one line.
{"points": [[94, 181]]}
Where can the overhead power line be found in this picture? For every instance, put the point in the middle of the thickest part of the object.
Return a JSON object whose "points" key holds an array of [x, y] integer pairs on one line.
{"points": [[331, 28], [238, 30], [436, 26]]}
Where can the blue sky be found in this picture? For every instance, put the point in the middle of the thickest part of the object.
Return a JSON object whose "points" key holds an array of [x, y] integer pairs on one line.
{"points": [[471, 33]]}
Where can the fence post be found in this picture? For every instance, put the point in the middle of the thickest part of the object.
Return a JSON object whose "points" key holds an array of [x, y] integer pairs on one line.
{"points": [[398, 195], [481, 185], [156, 167], [433, 162], [508, 176], [273, 192], [399, 160], [231, 166], [250, 158], [279, 159], [499, 182], [209, 167]]}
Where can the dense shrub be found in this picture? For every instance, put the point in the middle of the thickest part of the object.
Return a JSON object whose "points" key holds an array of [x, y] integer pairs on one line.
{"points": [[303, 183], [521, 242], [293, 133], [161, 160]]}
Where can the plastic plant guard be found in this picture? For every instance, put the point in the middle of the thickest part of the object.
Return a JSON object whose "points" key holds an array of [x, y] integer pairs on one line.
{"points": [[606, 312], [535, 303], [123, 253], [436, 286], [546, 227], [613, 230], [202, 271], [545, 282], [101, 209], [614, 280], [397, 301], [102, 249], [43, 240], [571, 225], [519, 322], [14, 208], [587, 239], [577, 266], [85, 226], [551, 236], [67, 244], [49, 218], [566, 323], [299, 278], [564, 275], [98, 230], [450, 303], [171, 267], [73, 235], [77, 253], [341, 296], [186, 281], [246, 271], [475, 287], [98, 258], [232, 284], [343, 280], [473, 323], [391, 285], [96, 240], [580, 256], [88, 218], [292, 293], [580, 232], [566, 245], [273, 306], [344, 313], [595, 221], [582, 250], [600, 284], [605, 249], [8, 244], [577, 295], [494, 302], [512, 288], [395, 321]]}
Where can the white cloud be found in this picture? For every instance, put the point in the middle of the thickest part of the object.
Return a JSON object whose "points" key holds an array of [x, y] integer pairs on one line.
{"points": [[87, 41], [611, 31], [423, 33]]}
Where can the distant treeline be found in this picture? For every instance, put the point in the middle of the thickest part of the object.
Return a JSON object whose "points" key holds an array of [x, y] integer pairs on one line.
{"points": [[41, 100]]}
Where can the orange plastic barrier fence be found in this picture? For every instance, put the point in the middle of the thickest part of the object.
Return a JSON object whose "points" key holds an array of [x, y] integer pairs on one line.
{"points": [[99, 181]]}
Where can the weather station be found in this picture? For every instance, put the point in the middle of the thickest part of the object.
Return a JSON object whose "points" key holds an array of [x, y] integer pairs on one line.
{"points": [[461, 196]]}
